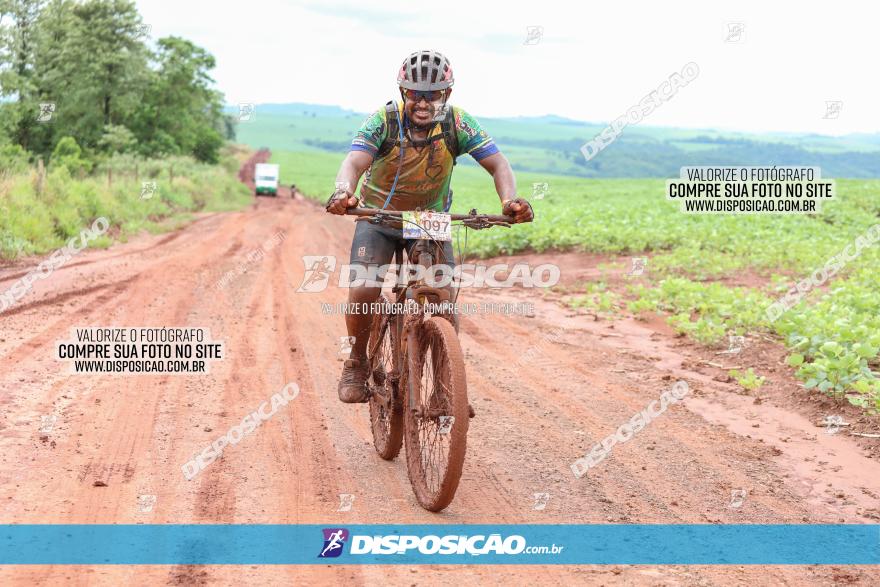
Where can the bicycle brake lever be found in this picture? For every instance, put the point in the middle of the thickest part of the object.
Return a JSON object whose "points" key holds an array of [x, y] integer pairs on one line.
{"points": [[475, 223], [480, 222]]}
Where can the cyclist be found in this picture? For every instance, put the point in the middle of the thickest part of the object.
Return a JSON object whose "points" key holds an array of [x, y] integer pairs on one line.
{"points": [[407, 150]]}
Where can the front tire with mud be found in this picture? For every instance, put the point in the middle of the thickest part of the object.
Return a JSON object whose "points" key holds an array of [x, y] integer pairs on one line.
{"points": [[436, 415]]}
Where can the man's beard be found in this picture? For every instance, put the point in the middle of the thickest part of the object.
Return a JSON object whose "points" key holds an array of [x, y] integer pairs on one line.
{"points": [[433, 112], [426, 125]]}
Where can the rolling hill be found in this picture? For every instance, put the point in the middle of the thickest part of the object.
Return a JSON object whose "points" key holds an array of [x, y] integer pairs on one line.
{"points": [[551, 144]]}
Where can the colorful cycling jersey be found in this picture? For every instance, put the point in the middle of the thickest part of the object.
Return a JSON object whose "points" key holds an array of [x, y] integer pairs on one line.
{"points": [[426, 171]]}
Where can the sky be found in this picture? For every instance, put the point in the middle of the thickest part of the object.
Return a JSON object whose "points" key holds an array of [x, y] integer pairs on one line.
{"points": [[591, 62]]}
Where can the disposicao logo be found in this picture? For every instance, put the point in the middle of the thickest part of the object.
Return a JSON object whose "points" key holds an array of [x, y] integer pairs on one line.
{"points": [[334, 540]]}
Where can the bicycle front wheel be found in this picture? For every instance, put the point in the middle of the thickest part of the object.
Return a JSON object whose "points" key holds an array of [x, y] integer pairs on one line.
{"points": [[436, 415], [386, 405]]}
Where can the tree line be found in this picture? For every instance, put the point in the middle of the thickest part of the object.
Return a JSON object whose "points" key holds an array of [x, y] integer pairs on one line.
{"points": [[84, 76]]}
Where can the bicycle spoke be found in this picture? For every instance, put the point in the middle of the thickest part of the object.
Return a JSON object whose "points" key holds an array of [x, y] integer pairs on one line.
{"points": [[385, 415], [434, 403], [384, 365]]}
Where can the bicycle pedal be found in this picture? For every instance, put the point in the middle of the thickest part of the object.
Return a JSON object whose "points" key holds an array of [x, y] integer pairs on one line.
{"points": [[471, 412]]}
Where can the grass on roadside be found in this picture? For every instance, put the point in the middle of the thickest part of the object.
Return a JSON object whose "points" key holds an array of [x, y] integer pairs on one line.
{"points": [[40, 213]]}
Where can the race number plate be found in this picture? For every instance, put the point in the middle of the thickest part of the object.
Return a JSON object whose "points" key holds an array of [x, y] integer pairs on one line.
{"points": [[427, 225]]}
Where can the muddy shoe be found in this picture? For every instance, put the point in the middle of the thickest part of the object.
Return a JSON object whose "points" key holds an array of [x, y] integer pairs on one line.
{"points": [[353, 383]]}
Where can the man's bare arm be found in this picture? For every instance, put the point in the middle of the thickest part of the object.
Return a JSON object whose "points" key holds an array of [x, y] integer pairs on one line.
{"points": [[499, 168], [353, 167], [505, 185]]}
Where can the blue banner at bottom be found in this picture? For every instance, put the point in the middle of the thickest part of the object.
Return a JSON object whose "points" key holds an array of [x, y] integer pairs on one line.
{"points": [[638, 544]]}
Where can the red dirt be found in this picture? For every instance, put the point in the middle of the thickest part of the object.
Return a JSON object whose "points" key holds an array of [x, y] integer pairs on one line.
{"points": [[246, 173], [133, 433]]}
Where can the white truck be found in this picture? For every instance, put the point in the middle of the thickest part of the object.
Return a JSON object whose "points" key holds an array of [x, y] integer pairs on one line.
{"points": [[266, 179]]}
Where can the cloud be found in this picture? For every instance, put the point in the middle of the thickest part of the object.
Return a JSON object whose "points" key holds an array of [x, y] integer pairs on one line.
{"points": [[593, 62]]}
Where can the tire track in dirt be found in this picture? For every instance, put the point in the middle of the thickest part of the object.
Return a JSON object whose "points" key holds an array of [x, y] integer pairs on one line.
{"points": [[124, 432]]}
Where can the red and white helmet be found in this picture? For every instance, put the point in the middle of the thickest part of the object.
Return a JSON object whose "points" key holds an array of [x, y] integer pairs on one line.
{"points": [[425, 71]]}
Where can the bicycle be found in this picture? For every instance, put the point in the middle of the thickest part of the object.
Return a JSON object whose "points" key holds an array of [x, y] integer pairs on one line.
{"points": [[419, 352]]}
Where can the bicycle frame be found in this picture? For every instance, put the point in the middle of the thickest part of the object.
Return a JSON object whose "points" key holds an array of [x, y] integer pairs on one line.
{"points": [[424, 351], [406, 325], [426, 251]]}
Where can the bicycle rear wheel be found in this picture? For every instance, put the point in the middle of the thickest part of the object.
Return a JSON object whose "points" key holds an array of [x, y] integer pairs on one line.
{"points": [[436, 415], [386, 405]]}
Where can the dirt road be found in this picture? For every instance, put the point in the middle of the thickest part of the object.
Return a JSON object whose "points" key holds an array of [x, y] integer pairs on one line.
{"points": [[116, 438]]}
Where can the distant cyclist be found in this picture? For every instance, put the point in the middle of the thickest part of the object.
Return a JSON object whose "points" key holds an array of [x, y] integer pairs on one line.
{"points": [[407, 149]]}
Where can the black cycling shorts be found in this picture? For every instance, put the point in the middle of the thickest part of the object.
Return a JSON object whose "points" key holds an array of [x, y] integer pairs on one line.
{"points": [[374, 245]]}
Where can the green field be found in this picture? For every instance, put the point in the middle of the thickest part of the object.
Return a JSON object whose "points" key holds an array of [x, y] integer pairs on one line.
{"points": [[551, 144], [833, 334]]}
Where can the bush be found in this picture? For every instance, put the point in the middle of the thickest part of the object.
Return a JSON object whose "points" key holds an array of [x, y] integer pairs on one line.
{"points": [[32, 222], [68, 153], [207, 147], [13, 159]]}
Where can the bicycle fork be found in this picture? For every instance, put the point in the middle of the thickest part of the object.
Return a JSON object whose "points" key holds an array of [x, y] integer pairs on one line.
{"points": [[412, 349]]}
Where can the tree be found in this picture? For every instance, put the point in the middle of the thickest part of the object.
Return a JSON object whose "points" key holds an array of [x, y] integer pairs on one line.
{"points": [[18, 40], [105, 86], [181, 103], [100, 70], [117, 139]]}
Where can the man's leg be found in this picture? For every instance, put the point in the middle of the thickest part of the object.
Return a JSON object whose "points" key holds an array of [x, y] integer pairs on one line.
{"points": [[358, 323], [370, 248], [449, 260]]}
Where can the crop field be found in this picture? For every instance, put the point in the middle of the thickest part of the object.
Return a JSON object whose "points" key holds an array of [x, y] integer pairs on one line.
{"points": [[551, 144], [833, 333]]}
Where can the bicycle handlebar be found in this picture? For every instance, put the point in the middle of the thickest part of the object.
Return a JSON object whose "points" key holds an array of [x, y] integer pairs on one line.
{"points": [[473, 215]]}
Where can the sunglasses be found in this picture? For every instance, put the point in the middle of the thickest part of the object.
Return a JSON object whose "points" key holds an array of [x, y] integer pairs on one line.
{"points": [[416, 95]]}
